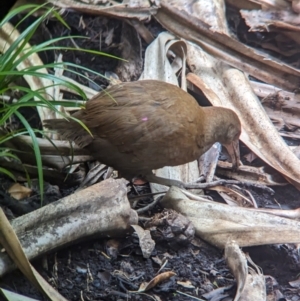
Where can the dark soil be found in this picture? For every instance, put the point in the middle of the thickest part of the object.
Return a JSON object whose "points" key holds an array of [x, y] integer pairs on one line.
{"points": [[83, 269], [93, 270], [85, 272]]}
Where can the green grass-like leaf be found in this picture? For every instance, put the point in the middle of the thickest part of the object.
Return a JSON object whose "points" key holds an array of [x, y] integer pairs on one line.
{"points": [[36, 149], [11, 59]]}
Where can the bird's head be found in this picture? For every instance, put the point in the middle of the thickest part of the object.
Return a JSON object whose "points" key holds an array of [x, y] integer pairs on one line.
{"points": [[225, 127]]}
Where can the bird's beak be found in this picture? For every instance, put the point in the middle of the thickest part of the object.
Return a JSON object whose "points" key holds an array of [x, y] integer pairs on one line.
{"points": [[234, 152]]}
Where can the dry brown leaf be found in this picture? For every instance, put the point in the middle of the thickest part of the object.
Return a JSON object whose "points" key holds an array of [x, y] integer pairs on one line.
{"points": [[225, 48], [250, 174], [296, 6], [267, 4], [217, 223], [250, 157], [292, 213], [295, 283], [208, 162], [155, 281], [211, 13], [244, 4], [296, 150], [11, 296], [233, 197], [146, 243], [250, 282], [276, 18], [186, 284], [255, 288], [263, 90], [141, 10], [262, 20], [237, 263], [281, 47], [284, 113], [131, 66], [19, 192], [109, 37], [9, 240]]}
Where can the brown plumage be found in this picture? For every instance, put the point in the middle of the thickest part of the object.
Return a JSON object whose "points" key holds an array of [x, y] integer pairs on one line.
{"points": [[148, 124]]}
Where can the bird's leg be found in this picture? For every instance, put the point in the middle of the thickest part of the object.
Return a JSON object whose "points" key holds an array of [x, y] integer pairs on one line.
{"points": [[171, 182], [163, 181]]}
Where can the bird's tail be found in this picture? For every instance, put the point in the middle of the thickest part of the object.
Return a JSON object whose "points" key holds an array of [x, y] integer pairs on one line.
{"points": [[71, 130]]}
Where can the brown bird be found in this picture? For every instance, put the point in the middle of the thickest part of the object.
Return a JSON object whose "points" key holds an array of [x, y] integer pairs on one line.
{"points": [[144, 125]]}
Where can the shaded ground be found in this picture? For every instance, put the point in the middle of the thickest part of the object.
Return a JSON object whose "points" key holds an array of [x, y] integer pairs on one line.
{"points": [[96, 270], [83, 269], [84, 272]]}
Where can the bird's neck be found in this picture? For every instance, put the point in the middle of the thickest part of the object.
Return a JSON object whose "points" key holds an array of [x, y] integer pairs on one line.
{"points": [[211, 125]]}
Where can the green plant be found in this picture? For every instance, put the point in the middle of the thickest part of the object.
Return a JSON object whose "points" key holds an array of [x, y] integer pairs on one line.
{"points": [[14, 64]]}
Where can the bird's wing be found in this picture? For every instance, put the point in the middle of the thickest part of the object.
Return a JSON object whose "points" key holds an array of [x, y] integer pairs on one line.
{"points": [[133, 115]]}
